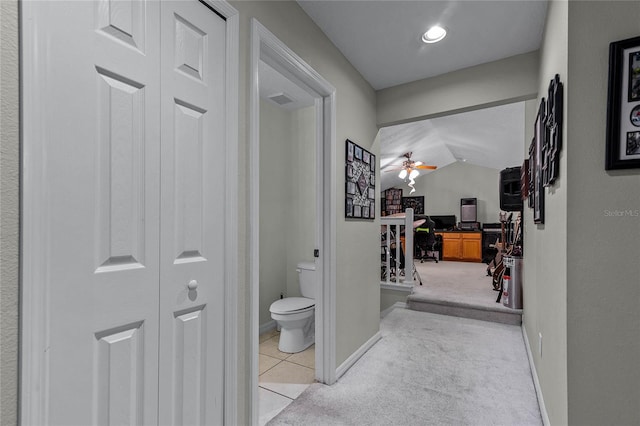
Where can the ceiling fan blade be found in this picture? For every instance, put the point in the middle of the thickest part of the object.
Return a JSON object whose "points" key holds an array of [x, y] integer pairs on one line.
{"points": [[424, 166]]}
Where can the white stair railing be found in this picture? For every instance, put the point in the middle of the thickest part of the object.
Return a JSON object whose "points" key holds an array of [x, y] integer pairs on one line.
{"points": [[391, 229]]}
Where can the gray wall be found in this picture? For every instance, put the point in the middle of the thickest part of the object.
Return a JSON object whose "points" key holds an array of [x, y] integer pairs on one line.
{"points": [[275, 194], [545, 251], [390, 297], [287, 200], [9, 211], [443, 188], [603, 291], [495, 83], [357, 241], [301, 237]]}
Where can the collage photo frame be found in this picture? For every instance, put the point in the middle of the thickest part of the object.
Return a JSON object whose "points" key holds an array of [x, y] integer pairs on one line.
{"points": [[360, 182]]}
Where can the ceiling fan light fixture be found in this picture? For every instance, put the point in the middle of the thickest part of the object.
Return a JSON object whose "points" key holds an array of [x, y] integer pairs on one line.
{"points": [[403, 174], [414, 174], [434, 34]]}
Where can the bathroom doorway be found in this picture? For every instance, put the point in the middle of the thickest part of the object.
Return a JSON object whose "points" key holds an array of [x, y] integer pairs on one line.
{"points": [[287, 234], [291, 208]]}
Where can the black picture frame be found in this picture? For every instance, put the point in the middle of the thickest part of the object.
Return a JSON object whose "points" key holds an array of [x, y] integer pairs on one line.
{"points": [[538, 189], [360, 181], [623, 101], [416, 203], [553, 136], [532, 172]]}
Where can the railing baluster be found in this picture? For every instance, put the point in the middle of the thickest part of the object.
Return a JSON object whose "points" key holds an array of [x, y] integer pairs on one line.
{"points": [[408, 247], [397, 223]]}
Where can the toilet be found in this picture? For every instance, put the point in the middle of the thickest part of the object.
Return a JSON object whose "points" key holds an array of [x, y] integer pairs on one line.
{"points": [[296, 315]]}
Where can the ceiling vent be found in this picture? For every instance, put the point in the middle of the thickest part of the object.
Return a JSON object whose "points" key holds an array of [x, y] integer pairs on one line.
{"points": [[280, 98]]}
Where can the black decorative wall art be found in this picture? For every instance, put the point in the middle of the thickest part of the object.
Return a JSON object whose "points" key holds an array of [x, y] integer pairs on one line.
{"points": [[623, 108], [360, 186], [539, 154], [416, 203], [553, 137], [544, 151]]}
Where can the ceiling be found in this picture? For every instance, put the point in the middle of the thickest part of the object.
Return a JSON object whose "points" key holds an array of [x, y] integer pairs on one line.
{"points": [[381, 39], [281, 91]]}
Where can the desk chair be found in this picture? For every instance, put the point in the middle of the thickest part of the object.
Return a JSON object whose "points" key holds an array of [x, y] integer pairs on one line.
{"points": [[427, 243]]}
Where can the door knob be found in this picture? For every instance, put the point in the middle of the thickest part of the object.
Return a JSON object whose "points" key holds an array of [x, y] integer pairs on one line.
{"points": [[193, 284]]}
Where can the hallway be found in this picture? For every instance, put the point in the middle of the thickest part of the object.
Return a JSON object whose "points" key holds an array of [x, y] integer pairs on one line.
{"points": [[428, 369]]}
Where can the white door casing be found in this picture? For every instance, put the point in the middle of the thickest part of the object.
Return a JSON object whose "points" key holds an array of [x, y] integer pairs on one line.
{"points": [[107, 252], [265, 46]]}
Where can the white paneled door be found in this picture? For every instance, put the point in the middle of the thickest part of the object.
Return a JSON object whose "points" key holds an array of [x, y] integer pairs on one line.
{"points": [[191, 233], [132, 126]]}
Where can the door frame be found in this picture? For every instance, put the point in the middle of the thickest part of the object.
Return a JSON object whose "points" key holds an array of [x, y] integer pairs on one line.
{"points": [[34, 313], [266, 46]]}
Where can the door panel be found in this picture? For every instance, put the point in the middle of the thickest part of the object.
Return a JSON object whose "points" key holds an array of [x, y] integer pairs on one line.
{"points": [[192, 230], [189, 366], [119, 375], [120, 172], [101, 186], [134, 272]]}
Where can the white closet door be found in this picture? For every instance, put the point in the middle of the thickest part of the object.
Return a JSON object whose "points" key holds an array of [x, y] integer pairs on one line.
{"points": [[100, 191], [192, 230], [131, 201]]}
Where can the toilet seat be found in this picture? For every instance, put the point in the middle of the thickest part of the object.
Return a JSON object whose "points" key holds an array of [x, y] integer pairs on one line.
{"points": [[292, 305]]}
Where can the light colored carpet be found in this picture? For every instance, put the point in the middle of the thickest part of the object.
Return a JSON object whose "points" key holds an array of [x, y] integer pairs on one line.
{"points": [[462, 283], [428, 369], [460, 289]]}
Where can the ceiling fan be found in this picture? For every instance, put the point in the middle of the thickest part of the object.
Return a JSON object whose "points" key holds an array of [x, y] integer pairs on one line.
{"points": [[409, 170]]}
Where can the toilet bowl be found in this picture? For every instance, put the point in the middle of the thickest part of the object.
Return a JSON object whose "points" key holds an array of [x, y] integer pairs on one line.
{"points": [[296, 315]]}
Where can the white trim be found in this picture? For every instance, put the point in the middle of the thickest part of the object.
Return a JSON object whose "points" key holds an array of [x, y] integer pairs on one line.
{"points": [[357, 355], [536, 382], [34, 362], [397, 287], [34, 226], [328, 301], [230, 398], [267, 47], [268, 326], [254, 228], [397, 305]]}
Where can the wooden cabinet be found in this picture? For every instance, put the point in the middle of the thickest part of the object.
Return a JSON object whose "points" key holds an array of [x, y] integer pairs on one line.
{"points": [[464, 246], [472, 247], [451, 246]]}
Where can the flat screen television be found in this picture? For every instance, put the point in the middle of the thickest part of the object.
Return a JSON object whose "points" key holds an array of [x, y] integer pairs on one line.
{"points": [[444, 223]]}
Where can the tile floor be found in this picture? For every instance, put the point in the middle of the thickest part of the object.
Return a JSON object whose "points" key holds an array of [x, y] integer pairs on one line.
{"points": [[283, 377]]}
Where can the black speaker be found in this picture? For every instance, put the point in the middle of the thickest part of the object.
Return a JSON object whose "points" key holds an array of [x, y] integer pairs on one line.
{"points": [[510, 199]]}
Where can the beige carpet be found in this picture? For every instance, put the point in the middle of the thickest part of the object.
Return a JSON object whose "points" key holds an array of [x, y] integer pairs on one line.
{"points": [[428, 369], [463, 283]]}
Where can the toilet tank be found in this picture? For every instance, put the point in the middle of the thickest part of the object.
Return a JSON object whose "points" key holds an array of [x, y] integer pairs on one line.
{"points": [[307, 279]]}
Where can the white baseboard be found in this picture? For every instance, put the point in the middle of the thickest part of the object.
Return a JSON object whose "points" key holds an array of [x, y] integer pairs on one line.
{"points": [[536, 382], [267, 327], [386, 312], [357, 354]]}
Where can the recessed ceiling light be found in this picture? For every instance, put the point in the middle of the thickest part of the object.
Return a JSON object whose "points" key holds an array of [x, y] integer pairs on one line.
{"points": [[434, 34]]}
